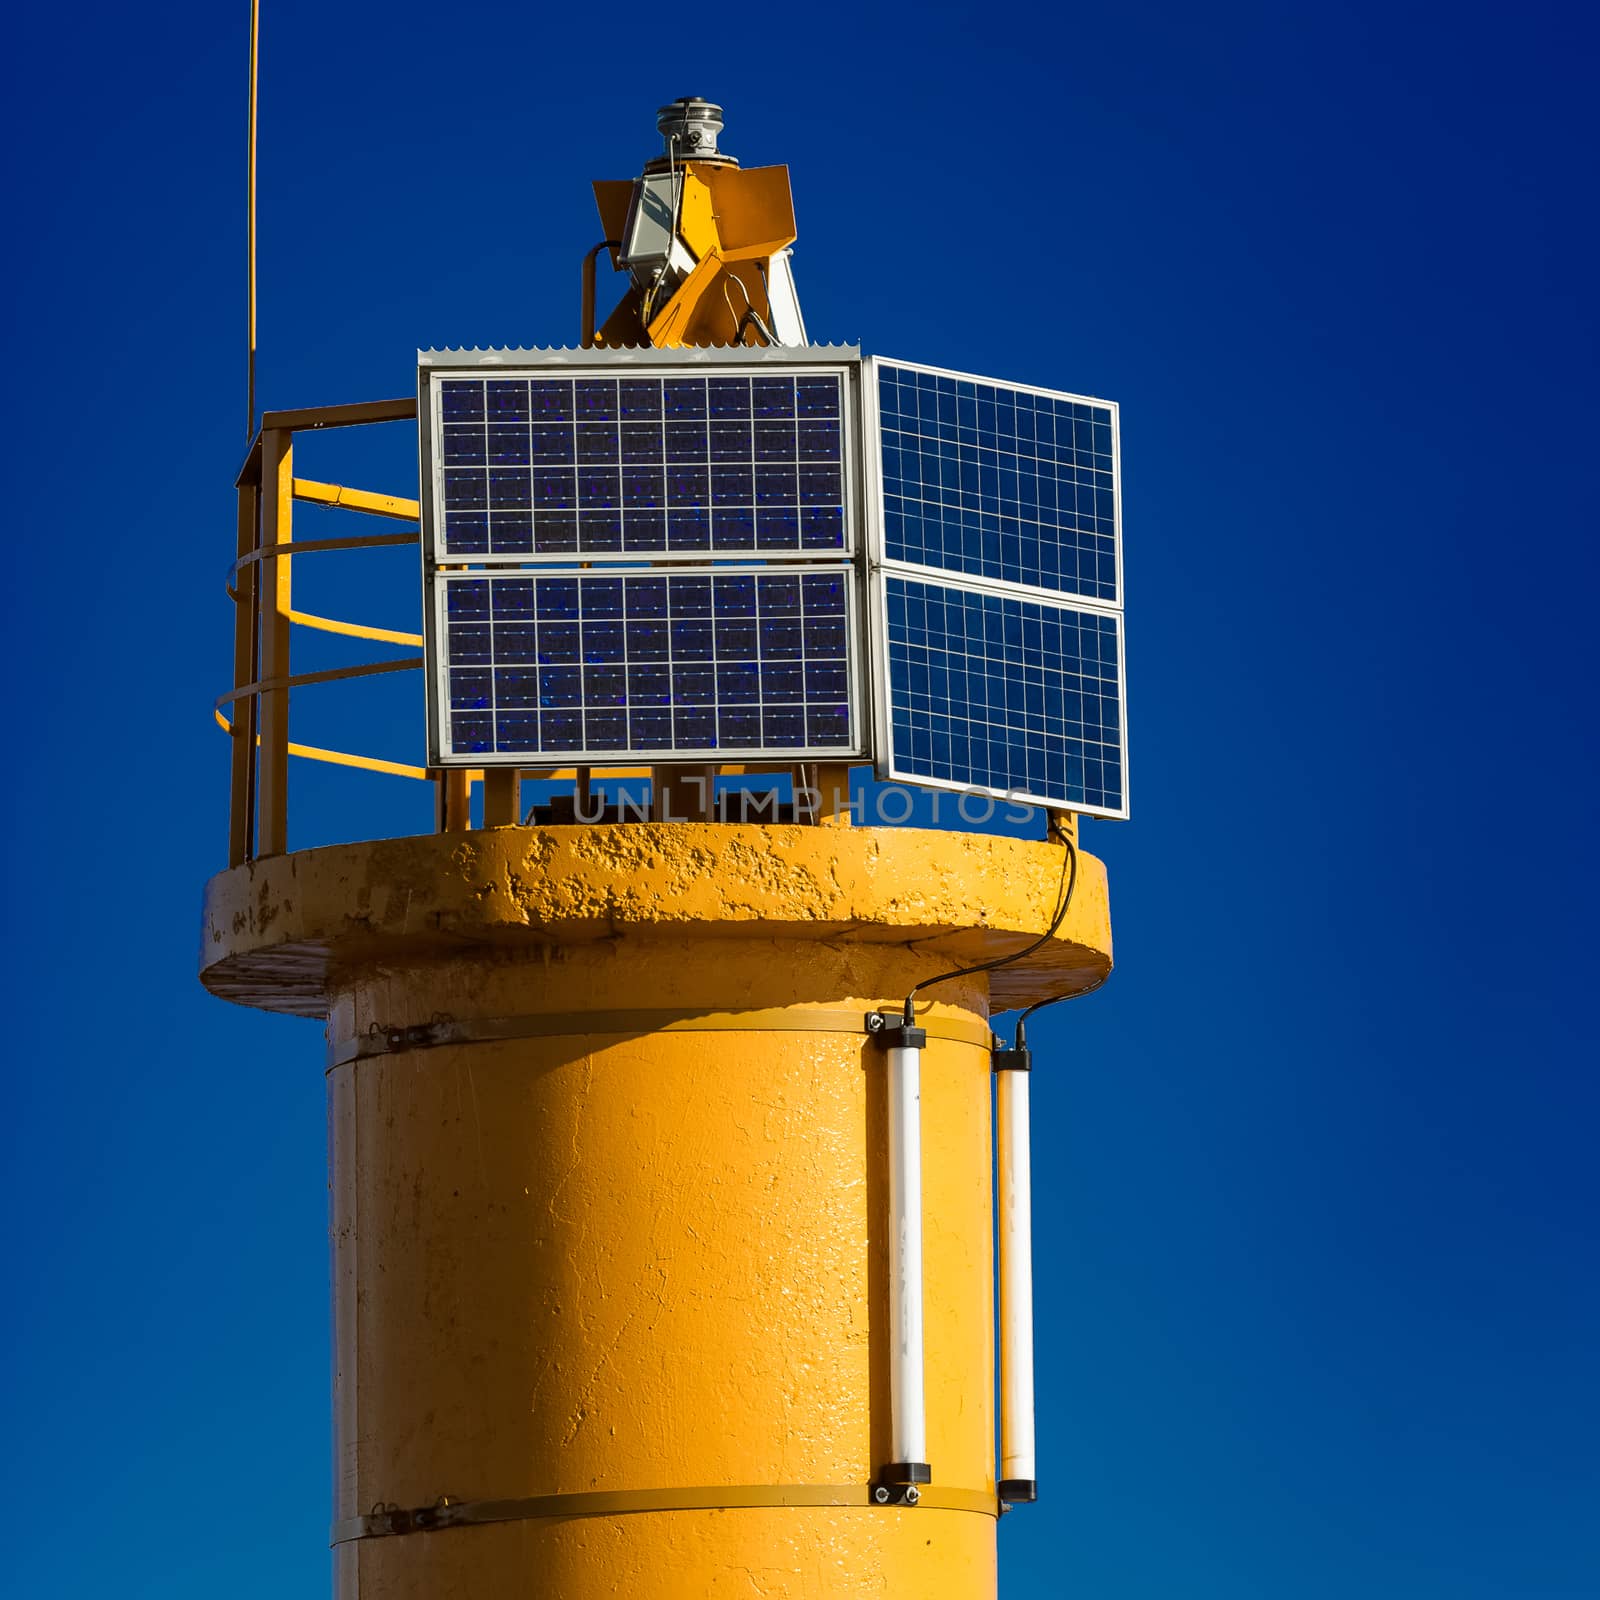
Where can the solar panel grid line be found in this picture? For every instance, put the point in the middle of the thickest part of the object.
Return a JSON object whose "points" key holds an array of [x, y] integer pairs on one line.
{"points": [[981, 697], [665, 664], [971, 480], [534, 466]]}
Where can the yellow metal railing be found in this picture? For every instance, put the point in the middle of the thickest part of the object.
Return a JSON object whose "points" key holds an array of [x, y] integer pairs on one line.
{"points": [[261, 589], [255, 712]]}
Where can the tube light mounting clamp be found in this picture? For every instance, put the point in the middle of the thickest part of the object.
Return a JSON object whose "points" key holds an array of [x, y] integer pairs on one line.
{"points": [[891, 1030], [1013, 1060], [900, 1483]]}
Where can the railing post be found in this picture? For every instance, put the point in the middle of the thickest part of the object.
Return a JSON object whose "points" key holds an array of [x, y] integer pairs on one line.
{"points": [[277, 513], [452, 800], [242, 788], [683, 794], [502, 797], [831, 780]]}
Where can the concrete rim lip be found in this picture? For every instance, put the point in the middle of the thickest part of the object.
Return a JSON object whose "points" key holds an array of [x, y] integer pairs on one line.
{"points": [[273, 930]]}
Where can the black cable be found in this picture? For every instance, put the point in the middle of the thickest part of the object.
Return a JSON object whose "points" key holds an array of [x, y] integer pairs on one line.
{"points": [[1069, 880], [1054, 1000]]}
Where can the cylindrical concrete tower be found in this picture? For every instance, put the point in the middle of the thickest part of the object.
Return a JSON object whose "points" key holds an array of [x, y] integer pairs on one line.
{"points": [[610, 1132], [607, 1149]]}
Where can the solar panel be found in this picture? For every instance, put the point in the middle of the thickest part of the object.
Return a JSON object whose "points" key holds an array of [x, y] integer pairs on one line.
{"points": [[620, 461], [600, 664], [997, 481], [1005, 694]]}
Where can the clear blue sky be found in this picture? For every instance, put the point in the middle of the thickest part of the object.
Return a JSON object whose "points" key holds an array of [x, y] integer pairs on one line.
{"points": [[1319, 1215]]}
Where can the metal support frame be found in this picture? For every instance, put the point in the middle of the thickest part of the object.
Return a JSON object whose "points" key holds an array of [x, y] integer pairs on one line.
{"points": [[829, 783], [590, 271], [502, 797], [683, 794]]}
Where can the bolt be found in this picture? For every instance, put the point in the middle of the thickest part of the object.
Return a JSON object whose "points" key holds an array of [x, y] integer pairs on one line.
{"points": [[881, 1495], [913, 1495]]}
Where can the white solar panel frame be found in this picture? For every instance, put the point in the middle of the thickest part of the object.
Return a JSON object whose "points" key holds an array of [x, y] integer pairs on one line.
{"points": [[442, 755], [883, 733], [435, 367], [872, 451], [880, 566]]}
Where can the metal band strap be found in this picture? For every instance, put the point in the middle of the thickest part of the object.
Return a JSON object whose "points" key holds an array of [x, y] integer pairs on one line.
{"points": [[382, 1040], [389, 1521], [311, 547], [330, 675]]}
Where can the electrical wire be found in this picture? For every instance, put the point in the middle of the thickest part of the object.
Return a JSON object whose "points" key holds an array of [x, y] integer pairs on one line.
{"points": [[751, 317], [1054, 1000], [1069, 882]]}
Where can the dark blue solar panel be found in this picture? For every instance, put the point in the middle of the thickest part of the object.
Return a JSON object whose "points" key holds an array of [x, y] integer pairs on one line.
{"points": [[999, 482], [1017, 696], [599, 466], [595, 664]]}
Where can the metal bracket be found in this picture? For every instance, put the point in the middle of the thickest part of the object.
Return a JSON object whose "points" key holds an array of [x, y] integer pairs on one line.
{"points": [[1013, 1060], [901, 1482], [900, 1495], [891, 1030]]}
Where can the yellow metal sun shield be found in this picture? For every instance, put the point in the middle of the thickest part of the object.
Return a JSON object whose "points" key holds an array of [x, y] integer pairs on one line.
{"points": [[705, 244]]}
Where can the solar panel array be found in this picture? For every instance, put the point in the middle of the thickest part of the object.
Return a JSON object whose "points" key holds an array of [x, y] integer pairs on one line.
{"points": [[582, 665], [554, 483], [595, 465], [999, 511], [632, 556]]}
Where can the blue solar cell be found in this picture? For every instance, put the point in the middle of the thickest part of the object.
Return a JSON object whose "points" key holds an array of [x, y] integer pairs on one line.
{"points": [[684, 397], [468, 532], [604, 664], [586, 465], [998, 482], [551, 399], [464, 445], [995, 692], [461, 400]]}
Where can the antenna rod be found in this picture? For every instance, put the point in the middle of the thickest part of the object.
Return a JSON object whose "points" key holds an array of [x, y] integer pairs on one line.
{"points": [[250, 226]]}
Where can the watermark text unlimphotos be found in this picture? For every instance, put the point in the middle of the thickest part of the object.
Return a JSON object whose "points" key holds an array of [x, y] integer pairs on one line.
{"points": [[890, 803]]}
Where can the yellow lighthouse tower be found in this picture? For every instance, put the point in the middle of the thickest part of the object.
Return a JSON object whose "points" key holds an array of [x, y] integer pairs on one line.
{"points": [[662, 1144]]}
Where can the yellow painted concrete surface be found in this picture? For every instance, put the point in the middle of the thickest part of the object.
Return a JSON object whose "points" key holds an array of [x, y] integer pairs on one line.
{"points": [[610, 1260], [273, 930], [598, 1263]]}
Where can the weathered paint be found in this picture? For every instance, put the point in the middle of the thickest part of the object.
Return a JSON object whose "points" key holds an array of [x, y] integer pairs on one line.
{"points": [[600, 1261], [274, 929]]}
